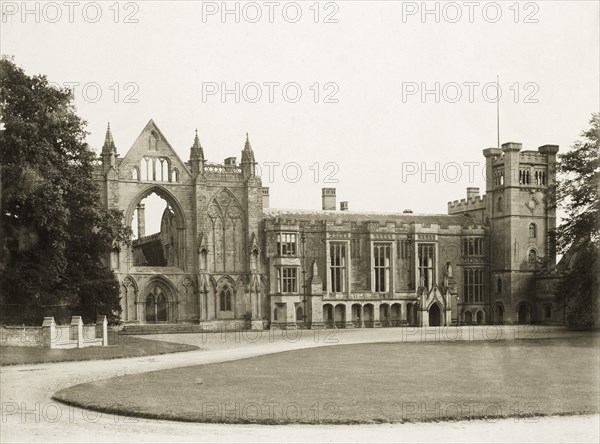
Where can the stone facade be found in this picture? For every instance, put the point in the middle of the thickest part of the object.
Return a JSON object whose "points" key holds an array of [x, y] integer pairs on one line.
{"points": [[223, 257]]}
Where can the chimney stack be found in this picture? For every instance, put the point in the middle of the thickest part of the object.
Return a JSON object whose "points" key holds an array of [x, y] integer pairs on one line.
{"points": [[344, 205], [328, 198], [265, 197], [472, 192]]}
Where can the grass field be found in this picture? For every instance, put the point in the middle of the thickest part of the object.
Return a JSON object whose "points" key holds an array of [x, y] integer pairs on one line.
{"points": [[366, 383], [118, 347]]}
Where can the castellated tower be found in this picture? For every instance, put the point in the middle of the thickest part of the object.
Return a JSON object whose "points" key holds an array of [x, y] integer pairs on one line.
{"points": [[522, 223]]}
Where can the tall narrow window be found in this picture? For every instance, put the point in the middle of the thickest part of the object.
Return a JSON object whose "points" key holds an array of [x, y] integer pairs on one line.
{"points": [[287, 280], [500, 204], [286, 244], [337, 256], [473, 285], [532, 231], [426, 264], [381, 265], [225, 299]]}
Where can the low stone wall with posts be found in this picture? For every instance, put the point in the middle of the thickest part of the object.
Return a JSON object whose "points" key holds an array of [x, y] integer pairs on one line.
{"points": [[50, 335]]}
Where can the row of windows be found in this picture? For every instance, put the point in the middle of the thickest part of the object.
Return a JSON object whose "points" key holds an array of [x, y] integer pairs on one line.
{"points": [[473, 247], [156, 169], [539, 177], [286, 244], [499, 178], [382, 268]]}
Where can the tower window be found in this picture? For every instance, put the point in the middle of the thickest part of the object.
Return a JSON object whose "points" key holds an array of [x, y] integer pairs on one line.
{"points": [[499, 286], [499, 206], [532, 231], [532, 258]]}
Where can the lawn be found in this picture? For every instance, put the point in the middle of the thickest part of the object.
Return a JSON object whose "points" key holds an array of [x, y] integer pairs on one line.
{"points": [[366, 383], [118, 347]]}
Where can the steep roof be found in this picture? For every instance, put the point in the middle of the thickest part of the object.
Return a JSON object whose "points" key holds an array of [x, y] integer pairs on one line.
{"points": [[443, 220]]}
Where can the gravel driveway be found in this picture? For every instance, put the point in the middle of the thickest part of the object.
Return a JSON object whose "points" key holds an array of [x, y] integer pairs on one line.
{"points": [[30, 415]]}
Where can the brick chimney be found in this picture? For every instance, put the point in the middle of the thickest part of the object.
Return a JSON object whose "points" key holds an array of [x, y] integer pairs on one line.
{"points": [[328, 199], [472, 192], [344, 205]]}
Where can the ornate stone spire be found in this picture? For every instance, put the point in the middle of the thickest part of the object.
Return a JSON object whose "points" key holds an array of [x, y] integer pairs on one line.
{"points": [[197, 152], [197, 155], [248, 163], [109, 143], [247, 153]]}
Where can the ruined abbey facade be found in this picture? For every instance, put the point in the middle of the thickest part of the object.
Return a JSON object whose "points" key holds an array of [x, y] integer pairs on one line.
{"points": [[223, 257]]}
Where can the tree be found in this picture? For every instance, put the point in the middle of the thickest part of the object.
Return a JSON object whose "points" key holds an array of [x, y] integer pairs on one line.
{"points": [[578, 193], [54, 232]]}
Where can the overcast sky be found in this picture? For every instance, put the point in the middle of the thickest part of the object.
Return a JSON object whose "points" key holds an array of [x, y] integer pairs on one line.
{"points": [[371, 60]]}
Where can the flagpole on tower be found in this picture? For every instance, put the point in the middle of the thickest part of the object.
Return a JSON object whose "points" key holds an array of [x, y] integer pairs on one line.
{"points": [[498, 108]]}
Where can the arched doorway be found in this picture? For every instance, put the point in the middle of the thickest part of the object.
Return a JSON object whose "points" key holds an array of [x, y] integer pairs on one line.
{"points": [[479, 317], [299, 315], [468, 317], [340, 316], [384, 315], [150, 313], [435, 316], [396, 313], [499, 314], [357, 315], [368, 315], [524, 314], [328, 315], [158, 307]]}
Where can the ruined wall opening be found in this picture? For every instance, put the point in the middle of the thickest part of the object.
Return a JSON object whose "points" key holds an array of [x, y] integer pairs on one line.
{"points": [[156, 232]]}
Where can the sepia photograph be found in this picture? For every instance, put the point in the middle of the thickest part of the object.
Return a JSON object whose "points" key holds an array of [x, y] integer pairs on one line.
{"points": [[300, 221]]}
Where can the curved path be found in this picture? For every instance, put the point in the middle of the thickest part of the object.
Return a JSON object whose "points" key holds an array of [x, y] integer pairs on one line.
{"points": [[30, 415]]}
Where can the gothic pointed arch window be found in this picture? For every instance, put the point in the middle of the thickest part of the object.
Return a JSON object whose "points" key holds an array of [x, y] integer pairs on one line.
{"points": [[532, 231], [153, 141], [532, 258], [156, 305], [225, 299], [135, 173]]}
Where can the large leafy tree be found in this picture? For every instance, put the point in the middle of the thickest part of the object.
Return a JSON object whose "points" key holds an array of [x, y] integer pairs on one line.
{"points": [[579, 235], [55, 233]]}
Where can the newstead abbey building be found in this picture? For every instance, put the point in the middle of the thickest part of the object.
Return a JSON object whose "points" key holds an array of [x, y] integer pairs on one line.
{"points": [[223, 258]]}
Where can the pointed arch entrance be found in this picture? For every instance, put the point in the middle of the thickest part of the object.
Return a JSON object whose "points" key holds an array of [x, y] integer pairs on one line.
{"points": [[524, 314], [435, 316], [159, 304]]}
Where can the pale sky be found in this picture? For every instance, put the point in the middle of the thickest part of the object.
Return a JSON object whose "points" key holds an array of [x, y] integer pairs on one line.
{"points": [[162, 55]]}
